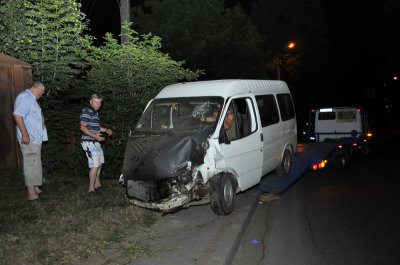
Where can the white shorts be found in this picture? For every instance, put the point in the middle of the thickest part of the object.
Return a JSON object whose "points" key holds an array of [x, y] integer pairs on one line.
{"points": [[94, 153]]}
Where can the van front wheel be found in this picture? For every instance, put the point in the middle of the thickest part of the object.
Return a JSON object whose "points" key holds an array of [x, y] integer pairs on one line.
{"points": [[223, 194], [286, 165]]}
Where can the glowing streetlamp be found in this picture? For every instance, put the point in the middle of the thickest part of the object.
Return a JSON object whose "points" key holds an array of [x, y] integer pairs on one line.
{"points": [[290, 45]]}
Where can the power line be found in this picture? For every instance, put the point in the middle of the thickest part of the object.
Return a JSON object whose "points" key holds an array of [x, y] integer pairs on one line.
{"points": [[375, 14], [216, 11]]}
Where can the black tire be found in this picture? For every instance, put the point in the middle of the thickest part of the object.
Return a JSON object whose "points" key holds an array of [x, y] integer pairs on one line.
{"points": [[340, 161], [367, 149], [286, 165], [223, 194]]}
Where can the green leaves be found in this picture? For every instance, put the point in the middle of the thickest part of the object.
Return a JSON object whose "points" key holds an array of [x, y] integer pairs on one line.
{"points": [[128, 75], [49, 34], [45, 34]]}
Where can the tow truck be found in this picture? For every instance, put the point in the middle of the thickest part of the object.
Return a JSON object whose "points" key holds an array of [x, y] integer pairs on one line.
{"points": [[333, 136]]}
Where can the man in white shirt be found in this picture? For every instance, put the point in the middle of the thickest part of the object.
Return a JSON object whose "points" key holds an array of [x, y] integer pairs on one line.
{"points": [[31, 132]]}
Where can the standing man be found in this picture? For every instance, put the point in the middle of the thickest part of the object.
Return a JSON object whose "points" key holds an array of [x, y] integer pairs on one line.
{"points": [[90, 141], [31, 132]]}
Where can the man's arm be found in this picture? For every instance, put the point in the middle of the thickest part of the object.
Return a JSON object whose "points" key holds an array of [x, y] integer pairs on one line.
{"points": [[21, 125], [85, 130], [108, 131]]}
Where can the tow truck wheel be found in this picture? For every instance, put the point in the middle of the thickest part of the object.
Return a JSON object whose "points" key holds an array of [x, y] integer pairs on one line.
{"points": [[223, 194], [340, 161], [367, 149], [286, 165]]}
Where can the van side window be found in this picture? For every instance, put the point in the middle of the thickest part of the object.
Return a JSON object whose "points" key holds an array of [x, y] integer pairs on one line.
{"points": [[241, 112], [286, 106], [268, 110]]}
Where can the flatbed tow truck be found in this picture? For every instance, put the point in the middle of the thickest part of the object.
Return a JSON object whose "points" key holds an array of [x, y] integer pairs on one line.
{"points": [[334, 135], [309, 156]]}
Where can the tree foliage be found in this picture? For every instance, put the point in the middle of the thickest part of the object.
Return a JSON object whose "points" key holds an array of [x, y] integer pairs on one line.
{"points": [[130, 74], [220, 40], [284, 21], [49, 34], [46, 34]]}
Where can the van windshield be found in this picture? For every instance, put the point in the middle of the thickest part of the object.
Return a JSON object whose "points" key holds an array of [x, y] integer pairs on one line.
{"points": [[180, 114]]}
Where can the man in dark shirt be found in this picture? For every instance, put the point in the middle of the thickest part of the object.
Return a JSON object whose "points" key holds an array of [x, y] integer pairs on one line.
{"points": [[90, 141]]}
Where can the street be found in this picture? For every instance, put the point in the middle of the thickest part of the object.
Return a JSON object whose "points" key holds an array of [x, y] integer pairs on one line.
{"points": [[348, 216]]}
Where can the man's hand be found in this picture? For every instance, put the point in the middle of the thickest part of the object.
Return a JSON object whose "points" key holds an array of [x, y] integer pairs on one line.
{"points": [[21, 125], [25, 139], [99, 138], [109, 132]]}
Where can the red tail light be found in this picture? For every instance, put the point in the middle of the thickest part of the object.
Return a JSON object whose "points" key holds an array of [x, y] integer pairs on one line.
{"points": [[320, 165]]}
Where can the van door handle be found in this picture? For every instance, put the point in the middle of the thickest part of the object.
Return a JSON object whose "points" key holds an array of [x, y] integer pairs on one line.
{"points": [[262, 137]]}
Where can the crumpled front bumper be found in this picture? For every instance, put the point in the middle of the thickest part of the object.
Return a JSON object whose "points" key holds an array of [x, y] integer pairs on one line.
{"points": [[165, 205]]}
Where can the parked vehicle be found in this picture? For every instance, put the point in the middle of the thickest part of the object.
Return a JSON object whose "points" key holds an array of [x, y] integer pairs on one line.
{"points": [[183, 151], [347, 126]]}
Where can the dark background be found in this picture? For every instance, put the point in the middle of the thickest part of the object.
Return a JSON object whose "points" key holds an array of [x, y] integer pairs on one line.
{"points": [[352, 62]]}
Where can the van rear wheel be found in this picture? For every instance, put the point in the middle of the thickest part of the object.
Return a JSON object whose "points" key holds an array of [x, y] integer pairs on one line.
{"points": [[223, 194], [286, 165]]}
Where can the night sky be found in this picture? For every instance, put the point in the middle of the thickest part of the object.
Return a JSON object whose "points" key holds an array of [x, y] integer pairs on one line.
{"points": [[354, 63]]}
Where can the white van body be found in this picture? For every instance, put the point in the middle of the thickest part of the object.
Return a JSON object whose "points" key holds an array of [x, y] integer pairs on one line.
{"points": [[264, 139], [338, 123]]}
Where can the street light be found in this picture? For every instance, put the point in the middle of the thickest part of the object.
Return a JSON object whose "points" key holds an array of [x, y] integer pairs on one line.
{"points": [[291, 45]]}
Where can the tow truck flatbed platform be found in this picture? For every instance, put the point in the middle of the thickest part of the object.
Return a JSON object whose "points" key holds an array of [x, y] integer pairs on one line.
{"points": [[307, 155]]}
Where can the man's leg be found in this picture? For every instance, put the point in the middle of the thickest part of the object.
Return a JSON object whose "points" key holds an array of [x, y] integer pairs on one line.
{"points": [[92, 178], [32, 194], [32, 162], [100, 161], [97, 183]]}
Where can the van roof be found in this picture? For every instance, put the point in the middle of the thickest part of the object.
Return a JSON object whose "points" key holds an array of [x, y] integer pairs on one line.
{"points": [[222, 88], [339, 108]]}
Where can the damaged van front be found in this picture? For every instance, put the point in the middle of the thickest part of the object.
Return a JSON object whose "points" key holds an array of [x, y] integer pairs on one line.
{"points": [[164, 166]]}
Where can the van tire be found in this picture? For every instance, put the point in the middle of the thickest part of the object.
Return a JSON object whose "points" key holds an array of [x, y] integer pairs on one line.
{"points": [[223, 194], [286, 165]]}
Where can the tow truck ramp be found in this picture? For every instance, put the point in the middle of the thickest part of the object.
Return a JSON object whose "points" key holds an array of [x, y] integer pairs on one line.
{"points": [[308, 156]]}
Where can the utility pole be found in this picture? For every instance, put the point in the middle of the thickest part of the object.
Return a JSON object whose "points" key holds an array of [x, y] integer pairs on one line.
{"points": [[124, 10], [278, 67]]}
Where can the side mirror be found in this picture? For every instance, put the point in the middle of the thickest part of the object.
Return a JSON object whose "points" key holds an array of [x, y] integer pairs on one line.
{"points": [[224, 137]]}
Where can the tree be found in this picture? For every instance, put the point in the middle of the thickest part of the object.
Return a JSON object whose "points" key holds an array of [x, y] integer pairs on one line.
{"points": [[46, 34], [128, 75], [223, 41], [132, 73], [49, 34], [284, 21]]}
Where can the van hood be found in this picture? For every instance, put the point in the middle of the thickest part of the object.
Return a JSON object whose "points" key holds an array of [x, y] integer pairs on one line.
{"points": [[153, 157]]}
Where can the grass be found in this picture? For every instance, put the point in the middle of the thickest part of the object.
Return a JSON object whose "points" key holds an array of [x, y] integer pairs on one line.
{"points": [[65, 225]]}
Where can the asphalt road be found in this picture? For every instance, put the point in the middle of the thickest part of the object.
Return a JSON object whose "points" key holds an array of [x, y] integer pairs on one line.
{"points": [[351, 216]]}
